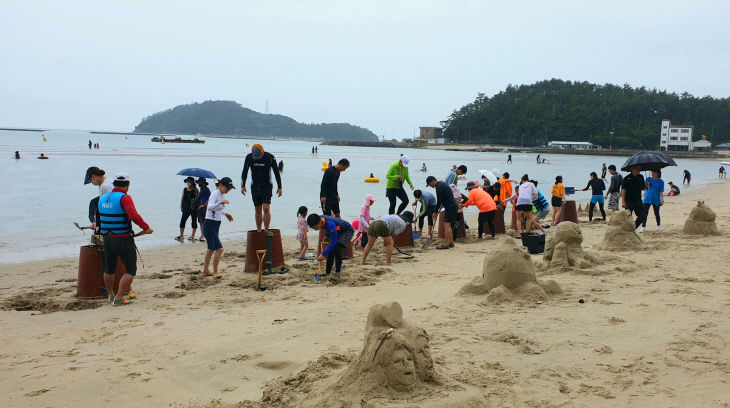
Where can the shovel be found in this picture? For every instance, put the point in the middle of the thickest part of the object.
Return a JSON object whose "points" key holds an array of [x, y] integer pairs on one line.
{"points": [[260, 254]]}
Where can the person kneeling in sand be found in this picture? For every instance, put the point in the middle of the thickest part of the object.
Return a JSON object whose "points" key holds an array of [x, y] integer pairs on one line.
{"points": [[339, 234], [385, 227]]}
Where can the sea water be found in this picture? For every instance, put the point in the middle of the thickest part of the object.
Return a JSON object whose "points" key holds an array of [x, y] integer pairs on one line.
{"points": [[42, 198]]}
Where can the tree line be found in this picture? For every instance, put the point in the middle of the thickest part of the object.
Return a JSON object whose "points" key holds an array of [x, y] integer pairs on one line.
{"points": [[622, 116]]}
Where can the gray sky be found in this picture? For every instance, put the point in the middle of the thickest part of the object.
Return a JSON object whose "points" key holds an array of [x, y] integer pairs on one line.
{"points": [[389, 66]]}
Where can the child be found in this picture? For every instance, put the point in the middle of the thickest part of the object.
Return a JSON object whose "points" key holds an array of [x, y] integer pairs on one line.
{"points": [[339, 234], [365, 219], [215, 211], [302, 233]]}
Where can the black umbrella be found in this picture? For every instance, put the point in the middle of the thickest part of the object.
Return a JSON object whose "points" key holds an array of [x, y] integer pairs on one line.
{"points": [[648, 161]]}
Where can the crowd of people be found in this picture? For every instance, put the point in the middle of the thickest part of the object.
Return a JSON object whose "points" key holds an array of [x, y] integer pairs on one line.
{"points": [[112, 212]]}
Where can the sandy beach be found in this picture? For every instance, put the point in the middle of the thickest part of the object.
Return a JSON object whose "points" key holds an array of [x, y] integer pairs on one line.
{"points": [[652, 328]]}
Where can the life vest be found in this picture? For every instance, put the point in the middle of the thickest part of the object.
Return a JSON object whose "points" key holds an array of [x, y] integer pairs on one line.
{"points": [[114, 220], [541, 203]]}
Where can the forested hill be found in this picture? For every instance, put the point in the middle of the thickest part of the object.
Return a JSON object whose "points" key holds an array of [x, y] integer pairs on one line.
{"points": [[581, 111], [230, 118]]}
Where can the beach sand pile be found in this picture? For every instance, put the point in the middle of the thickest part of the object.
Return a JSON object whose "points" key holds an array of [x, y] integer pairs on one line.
{"points": [[509, 274], [701, 221], [564, 250], [621, 233]]}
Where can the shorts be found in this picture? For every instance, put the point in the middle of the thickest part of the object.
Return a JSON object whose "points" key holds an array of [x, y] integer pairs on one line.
{"points": [[261, 194], [542, 214], [524, 207], [556, 202], [331, 206], [378, 228], [451, 214], [122, 248], [598, 198], [613, 201], [344, 237], [210, 231]]}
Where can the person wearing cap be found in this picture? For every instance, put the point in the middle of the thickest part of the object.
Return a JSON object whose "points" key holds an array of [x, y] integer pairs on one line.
{"points": [[261, 164], [365, 219], [328, 195], [215, 211], [428, 209], [385, 227], [116, 213], [95, 176], [187, 207], [202, 204], [453, 176], [445, 199], [339, 234], [396, 176], [486, 205]]}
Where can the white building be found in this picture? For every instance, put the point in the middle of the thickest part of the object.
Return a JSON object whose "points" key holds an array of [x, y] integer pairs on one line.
{"points": [[676, 137], [572, 145]]}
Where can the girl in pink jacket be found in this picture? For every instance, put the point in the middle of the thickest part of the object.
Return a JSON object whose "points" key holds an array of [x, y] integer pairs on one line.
{"points": [[365, 219]]}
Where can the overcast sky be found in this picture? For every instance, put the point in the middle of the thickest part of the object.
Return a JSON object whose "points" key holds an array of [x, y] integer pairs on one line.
{"points": [[389, 66]]}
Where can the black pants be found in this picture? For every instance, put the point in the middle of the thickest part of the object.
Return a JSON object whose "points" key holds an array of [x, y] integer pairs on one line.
{"points": [[590, 211], [487, 217], [645, 215], [122, 248], [392, 194], [184, 218], [428, 214], [335, 256], [364, 239], [638, 210]]}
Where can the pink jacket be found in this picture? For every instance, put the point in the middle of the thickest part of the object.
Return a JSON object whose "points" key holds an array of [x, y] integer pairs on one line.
{"points": [[364, 219]]}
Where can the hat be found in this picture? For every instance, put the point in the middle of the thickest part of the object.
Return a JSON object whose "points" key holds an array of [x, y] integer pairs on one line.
{"points": [[378, 228], [201, 180], [405, 160], [407, 216], [369, 198], [190, 179], [429, 179], [257, 151], [471, 185], [226, 182], [122, 177]]}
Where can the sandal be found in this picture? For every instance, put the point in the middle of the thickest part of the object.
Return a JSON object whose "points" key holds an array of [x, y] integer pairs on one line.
{"points": [[335, 277], [442, 246], [191, 239], [132, 295], [121, 302], [178, 239]]}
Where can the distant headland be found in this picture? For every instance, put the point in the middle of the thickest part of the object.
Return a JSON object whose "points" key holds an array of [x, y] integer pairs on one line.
{"points": [[228, 118]]}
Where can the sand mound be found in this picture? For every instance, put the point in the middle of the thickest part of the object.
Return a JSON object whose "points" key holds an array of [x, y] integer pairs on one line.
{"points": [[701, 221], [564, 249], [49, 301], [621, 234], [508, 274]]}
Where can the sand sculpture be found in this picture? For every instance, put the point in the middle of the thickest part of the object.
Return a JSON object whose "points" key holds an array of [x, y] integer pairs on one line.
{"points": [[508, 273], [701, 221], [621, 234], [563, 248]]}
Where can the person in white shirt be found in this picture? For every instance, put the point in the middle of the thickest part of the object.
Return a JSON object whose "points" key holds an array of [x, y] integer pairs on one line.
{"points": [[385, 227], [95, 176], [215, 212], [526, 194]]}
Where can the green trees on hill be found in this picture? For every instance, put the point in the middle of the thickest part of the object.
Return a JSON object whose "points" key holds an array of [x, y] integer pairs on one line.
{"points": [[532, 115], [230, 118]]}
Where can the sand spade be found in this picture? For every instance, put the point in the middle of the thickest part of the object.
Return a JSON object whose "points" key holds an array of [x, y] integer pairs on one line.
{"points": [[260, 254], [322, 246]]}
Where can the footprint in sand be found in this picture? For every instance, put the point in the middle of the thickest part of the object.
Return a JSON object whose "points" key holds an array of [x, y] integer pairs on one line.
{"points": [[275, 365]]}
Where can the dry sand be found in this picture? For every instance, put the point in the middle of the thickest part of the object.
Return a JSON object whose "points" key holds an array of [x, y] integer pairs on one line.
{"points": [[653, 328]]}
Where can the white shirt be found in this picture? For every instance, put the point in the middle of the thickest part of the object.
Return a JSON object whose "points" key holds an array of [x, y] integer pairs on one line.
{"points": [[105, 187], [528, 193], [396, 225], [215, 209]]}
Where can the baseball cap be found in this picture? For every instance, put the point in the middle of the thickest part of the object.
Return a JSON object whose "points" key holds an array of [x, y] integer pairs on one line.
{"points": [[405, 160], [429, 179], [257, 151], [226, 182], [470, 185], [122, 177]]}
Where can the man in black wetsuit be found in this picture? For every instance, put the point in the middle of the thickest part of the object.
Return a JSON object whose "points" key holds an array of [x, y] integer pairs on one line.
{"points": [[328, 195], [261, 164]]}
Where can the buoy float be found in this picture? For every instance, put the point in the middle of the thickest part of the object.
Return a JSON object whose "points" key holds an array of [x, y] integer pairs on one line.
{"points": [[43, 157], [325, 166], [372, 180]]}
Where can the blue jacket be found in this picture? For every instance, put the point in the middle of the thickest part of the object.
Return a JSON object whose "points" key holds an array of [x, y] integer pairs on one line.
{"points": [[203, 197], [334, 227]]}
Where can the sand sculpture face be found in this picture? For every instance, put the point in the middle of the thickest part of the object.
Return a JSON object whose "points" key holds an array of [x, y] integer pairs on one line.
{"points": [[564, 248], [621, 235], [400, 367], [701, 221]]}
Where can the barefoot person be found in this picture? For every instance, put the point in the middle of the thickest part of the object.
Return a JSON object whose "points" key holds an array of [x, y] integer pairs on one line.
{"points": [[339, 234], [445, 199], [384, 227], [117, 212], [328, 195], [215, 211], [261, 164]]}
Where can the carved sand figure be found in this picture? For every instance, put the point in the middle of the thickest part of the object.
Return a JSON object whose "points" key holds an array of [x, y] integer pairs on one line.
{"points": [[564, 249], [621, 234], [701, 221], [509, 273]]}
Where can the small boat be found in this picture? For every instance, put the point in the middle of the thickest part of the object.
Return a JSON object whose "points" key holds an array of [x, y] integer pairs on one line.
{"points": [[176, 140], [725, 163]]}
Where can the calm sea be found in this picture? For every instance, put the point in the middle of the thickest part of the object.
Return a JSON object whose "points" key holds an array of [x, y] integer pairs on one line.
{"points": [[44, 197]]}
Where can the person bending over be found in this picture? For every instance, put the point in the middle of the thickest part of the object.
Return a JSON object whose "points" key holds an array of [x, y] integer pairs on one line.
{"points": [[339, 233], [385, 227]]}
